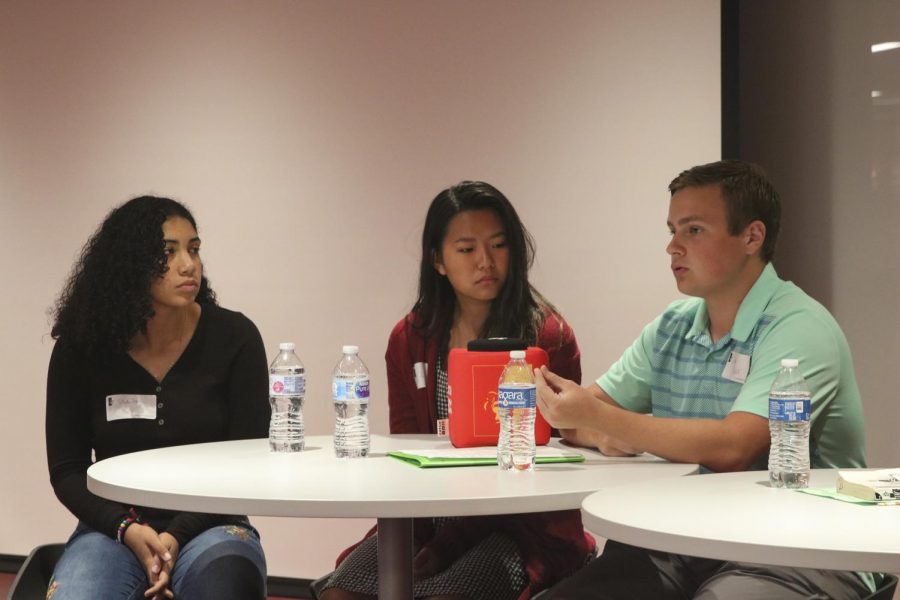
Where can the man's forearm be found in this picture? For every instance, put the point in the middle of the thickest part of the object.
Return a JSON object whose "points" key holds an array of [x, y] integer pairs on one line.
{"points": [[593, 438], [730, 444]]}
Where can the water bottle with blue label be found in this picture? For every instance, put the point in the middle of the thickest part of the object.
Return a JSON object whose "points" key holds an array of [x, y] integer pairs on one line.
{"points": [[350, 391], [517, 402], [789, 408], [287, 388]]}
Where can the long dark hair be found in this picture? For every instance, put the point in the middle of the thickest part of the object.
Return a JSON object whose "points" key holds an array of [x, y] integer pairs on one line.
{"points": [[518, 310], [106, 300]]}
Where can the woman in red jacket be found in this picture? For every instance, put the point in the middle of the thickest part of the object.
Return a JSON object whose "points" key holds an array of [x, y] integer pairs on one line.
{"points": [[473, 283]]}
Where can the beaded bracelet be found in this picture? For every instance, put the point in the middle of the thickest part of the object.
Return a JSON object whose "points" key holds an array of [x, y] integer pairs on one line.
{"points": [[133, 517]]}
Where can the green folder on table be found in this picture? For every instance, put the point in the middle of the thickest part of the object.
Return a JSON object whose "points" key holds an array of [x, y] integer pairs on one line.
{"points": [[476, 457]]}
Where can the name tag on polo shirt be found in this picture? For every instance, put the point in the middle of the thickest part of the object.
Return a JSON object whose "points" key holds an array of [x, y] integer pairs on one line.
{"points": [[737, 367], [130, 406]]}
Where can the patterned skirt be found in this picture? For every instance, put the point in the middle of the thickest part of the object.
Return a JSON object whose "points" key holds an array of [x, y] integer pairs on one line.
{"points": [[493, 569]]}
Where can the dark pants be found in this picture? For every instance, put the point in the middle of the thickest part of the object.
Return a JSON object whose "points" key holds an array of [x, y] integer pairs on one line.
{"points": [[625, 572]]}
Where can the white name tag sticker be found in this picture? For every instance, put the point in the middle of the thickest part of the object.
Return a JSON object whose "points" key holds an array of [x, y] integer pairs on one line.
{"points": [[420, 371], [737, 367], [130, 406]]}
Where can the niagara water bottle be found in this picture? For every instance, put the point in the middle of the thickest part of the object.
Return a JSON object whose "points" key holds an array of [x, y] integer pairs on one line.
{"points": [[287, 387], [516, 399], [350, 391], [789, 405]]}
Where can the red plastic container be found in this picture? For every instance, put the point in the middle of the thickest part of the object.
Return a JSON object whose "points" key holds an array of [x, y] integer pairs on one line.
{"points": [[472, 379]]}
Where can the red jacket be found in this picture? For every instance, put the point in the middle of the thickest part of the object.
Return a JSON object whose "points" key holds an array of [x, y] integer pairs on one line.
{"points": [[412, 410], [553, 544]]}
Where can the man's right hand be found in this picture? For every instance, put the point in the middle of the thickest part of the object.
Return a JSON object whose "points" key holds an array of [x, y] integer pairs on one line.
{"points": [[568, 406], [563, 403]]}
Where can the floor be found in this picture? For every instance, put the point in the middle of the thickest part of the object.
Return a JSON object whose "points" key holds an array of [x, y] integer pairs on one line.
{"points": [[6, 580]]}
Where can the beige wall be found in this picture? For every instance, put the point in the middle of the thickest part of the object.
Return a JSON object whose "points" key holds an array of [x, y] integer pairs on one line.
{"points": [[308, 138]]}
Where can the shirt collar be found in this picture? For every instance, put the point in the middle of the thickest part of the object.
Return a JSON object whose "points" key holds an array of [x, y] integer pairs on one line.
{"points": [[750, 311]]}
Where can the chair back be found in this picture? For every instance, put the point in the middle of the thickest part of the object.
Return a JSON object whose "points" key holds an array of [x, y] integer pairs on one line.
{"points": [[886, 590], [33, 577], [318, 586]]}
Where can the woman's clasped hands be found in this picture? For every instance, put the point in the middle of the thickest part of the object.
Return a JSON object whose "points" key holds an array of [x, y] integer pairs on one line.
{"points": [[157, 553]]}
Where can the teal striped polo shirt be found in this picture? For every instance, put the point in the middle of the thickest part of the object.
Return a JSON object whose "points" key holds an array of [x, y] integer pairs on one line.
{"points": [[675, 370]]}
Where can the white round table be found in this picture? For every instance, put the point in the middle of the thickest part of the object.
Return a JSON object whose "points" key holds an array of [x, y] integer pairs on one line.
{"points": [[739, 516], [244, 477]]}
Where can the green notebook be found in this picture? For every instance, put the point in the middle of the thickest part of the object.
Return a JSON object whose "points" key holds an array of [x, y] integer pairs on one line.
{"points": [[476, 457]]}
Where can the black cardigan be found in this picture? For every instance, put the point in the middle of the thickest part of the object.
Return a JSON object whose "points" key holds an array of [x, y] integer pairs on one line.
{"points": [[216, 390]]}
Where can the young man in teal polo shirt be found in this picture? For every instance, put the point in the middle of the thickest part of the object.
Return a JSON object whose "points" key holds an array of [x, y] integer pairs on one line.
{"points": [[703, 370]]}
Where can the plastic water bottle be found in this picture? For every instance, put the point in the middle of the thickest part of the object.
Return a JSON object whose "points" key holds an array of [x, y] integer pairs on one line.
{"points": [[516, 399], [789, 405], [350, 390], [287, 387]]}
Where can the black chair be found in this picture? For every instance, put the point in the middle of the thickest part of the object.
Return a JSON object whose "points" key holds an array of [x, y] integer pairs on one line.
{"points": [[318, 585], [34, 575], [886, 590]]}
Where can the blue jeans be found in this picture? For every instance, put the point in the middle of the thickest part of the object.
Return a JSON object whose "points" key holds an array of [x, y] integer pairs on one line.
{"points": [[221, 563]]}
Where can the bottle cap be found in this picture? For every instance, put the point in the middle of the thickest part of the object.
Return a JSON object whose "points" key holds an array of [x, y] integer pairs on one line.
{"points": [[351, 349], [516, 354], [789, 363], [286, 346]]}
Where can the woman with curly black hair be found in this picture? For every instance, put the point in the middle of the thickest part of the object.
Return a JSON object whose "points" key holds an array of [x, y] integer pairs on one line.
{"points": [[145, 358]]}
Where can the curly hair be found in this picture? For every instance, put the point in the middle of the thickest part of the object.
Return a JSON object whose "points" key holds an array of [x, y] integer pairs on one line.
{"points": [[106, 300]]}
